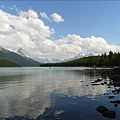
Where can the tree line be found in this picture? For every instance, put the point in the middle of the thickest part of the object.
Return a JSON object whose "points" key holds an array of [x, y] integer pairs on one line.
{"points": [[104, 60]]}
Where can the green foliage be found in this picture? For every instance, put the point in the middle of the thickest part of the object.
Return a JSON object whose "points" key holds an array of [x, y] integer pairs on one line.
{"points": [[6, 63], [112, 59]]}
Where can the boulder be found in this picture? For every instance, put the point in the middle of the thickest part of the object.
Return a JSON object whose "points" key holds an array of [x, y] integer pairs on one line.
{"points": [[101, 109], [109, 114], [115, 101], [102, 83], [110, 97]]}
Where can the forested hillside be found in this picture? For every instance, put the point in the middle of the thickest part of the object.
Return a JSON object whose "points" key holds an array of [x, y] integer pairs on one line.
{"points": [[7, 63], [22, 61], [104, 60]]}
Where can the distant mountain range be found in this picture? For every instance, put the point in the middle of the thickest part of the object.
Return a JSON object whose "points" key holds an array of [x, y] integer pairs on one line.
{"points": [[54, 60], [46, 60], [22, 58], [79, 56], [19, 58]]}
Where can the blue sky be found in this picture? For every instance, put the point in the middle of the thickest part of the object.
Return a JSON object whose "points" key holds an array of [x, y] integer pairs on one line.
{"points": [[87, 18], [82, 18]]}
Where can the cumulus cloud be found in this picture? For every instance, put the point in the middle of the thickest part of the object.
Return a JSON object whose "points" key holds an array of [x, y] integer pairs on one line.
{"points": [[57, 18], [29, 13], [44, 15], [73, 44], [27, 31]]}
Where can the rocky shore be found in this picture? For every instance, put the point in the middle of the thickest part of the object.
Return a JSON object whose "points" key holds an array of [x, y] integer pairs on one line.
{"points": [[114, 76]]}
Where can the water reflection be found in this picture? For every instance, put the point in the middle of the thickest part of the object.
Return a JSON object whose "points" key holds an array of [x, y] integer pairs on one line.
{"points": [[32, 92]]}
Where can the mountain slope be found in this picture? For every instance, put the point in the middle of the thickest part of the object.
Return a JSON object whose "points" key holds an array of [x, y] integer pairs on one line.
{"points": [[11, 56], [23, 53], [7, 63]]}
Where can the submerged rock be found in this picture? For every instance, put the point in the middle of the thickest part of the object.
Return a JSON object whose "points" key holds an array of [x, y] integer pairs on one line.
{"points": [[115, 105]]}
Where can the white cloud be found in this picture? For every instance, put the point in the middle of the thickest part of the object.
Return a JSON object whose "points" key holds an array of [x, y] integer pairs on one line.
{"points": [[44, 15], [57, 18], [30, 13], [72, 45], [27, 31]]}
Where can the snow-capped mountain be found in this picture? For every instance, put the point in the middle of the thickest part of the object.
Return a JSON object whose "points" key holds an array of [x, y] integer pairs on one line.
{"points": [[83, 55], [16, 58], [46, 60], [23, 53], [42, 60], [3, 49], [55, 60], [79, 56]]}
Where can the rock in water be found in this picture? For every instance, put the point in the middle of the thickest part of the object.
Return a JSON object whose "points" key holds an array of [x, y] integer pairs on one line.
{"points": [[101, 109], [109, 114], [110, 97]]}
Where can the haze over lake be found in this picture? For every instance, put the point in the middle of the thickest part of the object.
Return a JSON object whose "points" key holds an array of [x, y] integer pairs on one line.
{"points": [[53, 93]]}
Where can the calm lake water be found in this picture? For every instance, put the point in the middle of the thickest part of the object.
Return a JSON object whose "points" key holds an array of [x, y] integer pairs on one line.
{"points": [[53, 94]]}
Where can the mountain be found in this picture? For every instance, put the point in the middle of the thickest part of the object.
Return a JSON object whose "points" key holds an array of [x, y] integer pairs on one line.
{"points": [[53, 60], [3, 49], [18, 59], [42, 60], [83, 55], [79, 56], [23, 53]]}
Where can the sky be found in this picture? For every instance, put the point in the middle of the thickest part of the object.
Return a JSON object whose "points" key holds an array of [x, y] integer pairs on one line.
{"points": [[60, 29]]}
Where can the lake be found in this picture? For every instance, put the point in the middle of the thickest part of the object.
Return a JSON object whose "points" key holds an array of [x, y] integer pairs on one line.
{"points": [[54, 94]]}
